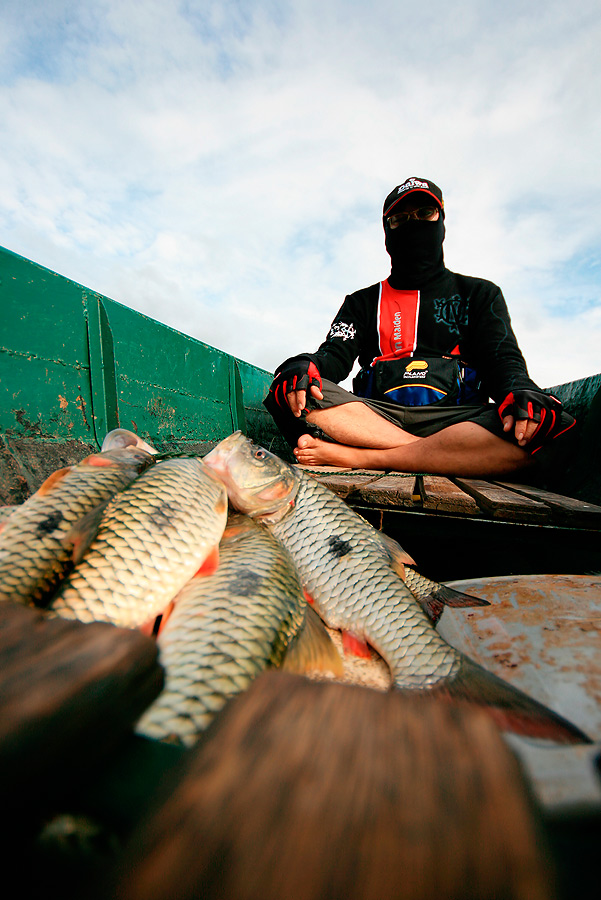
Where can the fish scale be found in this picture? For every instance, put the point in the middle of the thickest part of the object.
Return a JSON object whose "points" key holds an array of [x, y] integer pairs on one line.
{"points": [[34, 549], [344, 564], [358, 591], [152, 538], [353, 575], [224, 630]]}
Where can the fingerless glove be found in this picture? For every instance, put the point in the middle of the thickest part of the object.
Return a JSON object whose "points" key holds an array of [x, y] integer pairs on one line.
{"points": [[542, 408], [298, 373]]}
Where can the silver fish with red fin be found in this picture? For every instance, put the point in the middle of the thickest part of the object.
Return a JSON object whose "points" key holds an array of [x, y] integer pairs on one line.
{"points": [[228, 627], [346, 568], [148, 542], [35, 551]]}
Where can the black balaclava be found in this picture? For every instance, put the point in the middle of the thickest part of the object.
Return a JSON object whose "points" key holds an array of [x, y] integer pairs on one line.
{"points": [[416, 254], [415, 248]]}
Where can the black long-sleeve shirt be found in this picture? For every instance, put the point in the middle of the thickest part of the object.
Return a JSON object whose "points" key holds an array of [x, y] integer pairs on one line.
{"points": [[455, 311]]}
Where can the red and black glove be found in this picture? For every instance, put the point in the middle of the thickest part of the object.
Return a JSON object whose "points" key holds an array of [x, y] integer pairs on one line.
{"points": [[542, 408], [296, 374]]}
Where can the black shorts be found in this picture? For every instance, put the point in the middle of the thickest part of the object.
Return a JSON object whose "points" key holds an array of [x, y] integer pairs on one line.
{"points": [[422, 421], [419, 420]]}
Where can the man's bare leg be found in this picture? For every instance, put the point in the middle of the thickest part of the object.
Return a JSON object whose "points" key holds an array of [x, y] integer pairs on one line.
{"points": [[464, 449], [349, 423]]}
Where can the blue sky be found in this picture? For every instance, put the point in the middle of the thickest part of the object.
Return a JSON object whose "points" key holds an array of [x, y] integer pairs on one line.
{"points": [[221, 166]]}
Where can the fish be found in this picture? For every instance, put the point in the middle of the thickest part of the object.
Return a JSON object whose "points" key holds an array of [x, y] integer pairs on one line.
{"points": [[6, 512], [432, 596], [35, 552], [136, 553], [346, 569], [226, 628], [120, 438]]}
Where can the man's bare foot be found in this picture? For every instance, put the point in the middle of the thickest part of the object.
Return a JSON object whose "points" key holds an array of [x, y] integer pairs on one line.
{"points": [[311, 451]]}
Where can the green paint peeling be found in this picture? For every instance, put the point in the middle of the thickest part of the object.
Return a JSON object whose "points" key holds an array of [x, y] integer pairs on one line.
{"points": [[75, 364]]}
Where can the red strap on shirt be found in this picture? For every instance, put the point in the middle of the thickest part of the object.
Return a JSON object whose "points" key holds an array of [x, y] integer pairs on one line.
{"points": [[398, 312]]}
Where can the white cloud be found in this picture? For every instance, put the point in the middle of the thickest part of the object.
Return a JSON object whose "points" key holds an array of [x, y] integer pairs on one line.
{"points": [[221, 166]]}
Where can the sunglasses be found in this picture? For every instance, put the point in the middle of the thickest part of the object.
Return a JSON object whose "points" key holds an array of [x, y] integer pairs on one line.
{"points": [[423, 214]]}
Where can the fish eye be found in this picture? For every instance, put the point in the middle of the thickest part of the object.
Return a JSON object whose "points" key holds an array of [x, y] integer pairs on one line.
{"points": [[260, 454]]}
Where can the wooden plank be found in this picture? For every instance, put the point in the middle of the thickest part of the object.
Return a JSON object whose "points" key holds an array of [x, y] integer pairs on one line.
{"points": [[566, 510], [392, 492], [323, 470], [262, 808], [441, 495], [68, 693], [503, 503], [345, 484]]}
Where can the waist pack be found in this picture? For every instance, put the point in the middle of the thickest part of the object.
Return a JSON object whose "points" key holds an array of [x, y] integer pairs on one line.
{"points": [[419, 381]]}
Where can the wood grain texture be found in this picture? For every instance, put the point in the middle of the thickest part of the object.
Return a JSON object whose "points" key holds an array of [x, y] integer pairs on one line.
{"points": [[502, 503], [335, 792], [441, 495], [68, 692]]}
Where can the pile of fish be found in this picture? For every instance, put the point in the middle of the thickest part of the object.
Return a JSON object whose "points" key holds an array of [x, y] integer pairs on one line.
{"points": [[235, 561]]}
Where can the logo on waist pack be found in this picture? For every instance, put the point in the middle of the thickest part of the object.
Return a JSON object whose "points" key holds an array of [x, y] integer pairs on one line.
{"points": [[416, 369]]}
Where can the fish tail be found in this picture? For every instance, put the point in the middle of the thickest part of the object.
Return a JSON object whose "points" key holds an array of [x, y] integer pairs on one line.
{"points": [[440, 596], [509, 707], [451, 597], [433, 597], [312, 648]]}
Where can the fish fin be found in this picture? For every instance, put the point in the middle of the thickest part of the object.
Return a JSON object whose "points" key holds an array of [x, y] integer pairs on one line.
{"points": [[309, 598], [149, 627], [210, 564], [101, 462], [399, 558], [440, 596], [354, 645], [432, 606], [83, 532], [52, 480], [237, 523], [451, 597], [161, 621], [312, 648], [153, 627], [509, 707]]}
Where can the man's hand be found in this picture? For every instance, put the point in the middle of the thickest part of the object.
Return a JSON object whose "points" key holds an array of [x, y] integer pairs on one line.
{"points": [[533, 415], [291, 381], [297, 400]]}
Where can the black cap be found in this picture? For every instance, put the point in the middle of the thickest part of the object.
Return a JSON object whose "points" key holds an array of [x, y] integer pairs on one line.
{"points": [[410, 186]]}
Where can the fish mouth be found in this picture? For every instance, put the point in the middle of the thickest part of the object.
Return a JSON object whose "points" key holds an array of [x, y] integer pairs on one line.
{"points": [[218, 458], [258, 483], [121, 438]]}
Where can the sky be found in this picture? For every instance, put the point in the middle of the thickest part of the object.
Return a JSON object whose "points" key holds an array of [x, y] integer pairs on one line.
{"points": [[221, 166]]}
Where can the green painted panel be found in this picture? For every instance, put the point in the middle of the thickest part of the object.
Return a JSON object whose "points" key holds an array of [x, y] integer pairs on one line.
{"points": [[582, 475], [75, 364], [255, 384], [577, 396], [167, 385], [259, 424], [44, 361]]}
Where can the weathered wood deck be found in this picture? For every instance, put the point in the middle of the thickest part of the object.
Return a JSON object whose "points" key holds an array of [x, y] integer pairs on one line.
{"points": [[465, 527]]}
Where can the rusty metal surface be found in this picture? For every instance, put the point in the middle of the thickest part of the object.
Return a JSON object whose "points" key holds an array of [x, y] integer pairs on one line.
{"points": [[542, 633], [25, 464]]}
